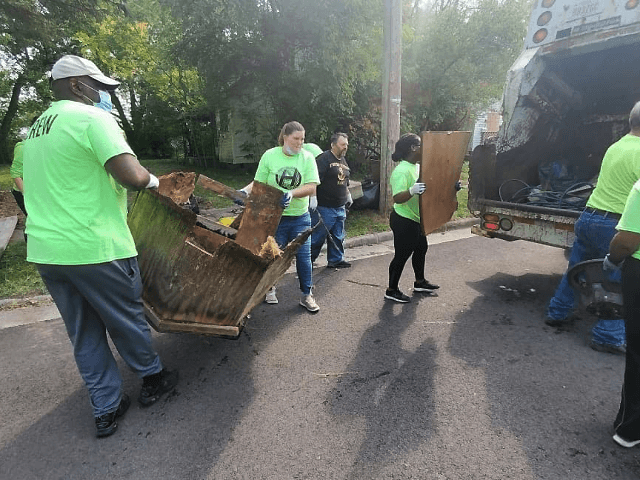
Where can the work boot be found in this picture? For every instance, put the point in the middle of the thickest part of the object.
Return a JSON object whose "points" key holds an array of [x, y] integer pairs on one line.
{"points": [[271, 296], [156, 385], [424, 286], [106, 424], [308, 302], [609, 348]]}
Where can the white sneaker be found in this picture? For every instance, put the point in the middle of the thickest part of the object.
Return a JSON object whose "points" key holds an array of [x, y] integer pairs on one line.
{"points": [[270, 297], [308, 302]]}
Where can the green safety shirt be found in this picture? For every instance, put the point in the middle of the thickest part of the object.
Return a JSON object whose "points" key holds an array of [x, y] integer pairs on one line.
{"points": [[630, 221], [312, 148], [402, 178], [16, 165], [619, 171], [288, 173], [77, 211]]}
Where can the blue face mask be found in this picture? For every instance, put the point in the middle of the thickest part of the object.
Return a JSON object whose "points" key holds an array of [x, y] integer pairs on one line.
{"points": [[105, 99]]}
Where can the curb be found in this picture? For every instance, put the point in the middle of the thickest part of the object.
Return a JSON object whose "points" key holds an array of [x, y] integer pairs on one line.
{"points": [[21, 300], [375, 238]]}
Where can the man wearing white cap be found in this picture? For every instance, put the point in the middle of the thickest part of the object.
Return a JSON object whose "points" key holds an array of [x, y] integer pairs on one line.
{"points": [[77, 164]]}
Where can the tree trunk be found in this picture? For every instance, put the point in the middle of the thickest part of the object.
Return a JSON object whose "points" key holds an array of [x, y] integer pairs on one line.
{"points": [[7, 120]]}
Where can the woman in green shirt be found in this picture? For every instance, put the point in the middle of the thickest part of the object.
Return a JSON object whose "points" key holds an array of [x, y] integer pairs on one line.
{"points": [[16, 175], [408, 240]]}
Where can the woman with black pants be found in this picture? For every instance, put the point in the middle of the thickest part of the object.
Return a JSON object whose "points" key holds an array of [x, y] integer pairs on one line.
{"points": [[408, 240]]}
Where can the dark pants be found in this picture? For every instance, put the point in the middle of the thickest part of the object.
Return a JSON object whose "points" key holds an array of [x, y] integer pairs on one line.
{"points": [[627, 423], [408, 241], [17, 194], [94, 300]]}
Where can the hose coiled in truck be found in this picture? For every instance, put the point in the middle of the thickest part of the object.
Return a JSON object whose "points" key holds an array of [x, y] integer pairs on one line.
{"points": [[535, 196]]}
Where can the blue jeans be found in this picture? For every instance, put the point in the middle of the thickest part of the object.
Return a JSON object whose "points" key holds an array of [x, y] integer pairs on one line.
{"points": [[288, 229], [94, 300], [593, 235], [334, 220]]}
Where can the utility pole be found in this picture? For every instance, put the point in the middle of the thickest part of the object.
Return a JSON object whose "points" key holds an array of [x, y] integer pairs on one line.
{"points": [[391, 96]]}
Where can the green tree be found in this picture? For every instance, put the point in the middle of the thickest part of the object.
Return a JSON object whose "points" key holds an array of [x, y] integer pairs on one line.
{"points": [[270, 62], [457, 60], [32, 37], [157, 91]]}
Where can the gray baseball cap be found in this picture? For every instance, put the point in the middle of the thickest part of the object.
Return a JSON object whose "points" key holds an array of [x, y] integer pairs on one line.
{"points": [[74, 66]]}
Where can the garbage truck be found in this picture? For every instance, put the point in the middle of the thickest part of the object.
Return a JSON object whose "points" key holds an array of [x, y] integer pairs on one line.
{"points": [[566, 99]]}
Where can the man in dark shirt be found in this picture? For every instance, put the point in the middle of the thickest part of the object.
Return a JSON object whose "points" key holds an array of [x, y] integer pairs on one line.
{"points": [[331, 203]]}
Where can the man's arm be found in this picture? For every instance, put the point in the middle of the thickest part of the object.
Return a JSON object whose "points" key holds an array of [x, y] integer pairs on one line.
{"points": [[308, 189], [19, 183], [128, 172], [623, 244]]}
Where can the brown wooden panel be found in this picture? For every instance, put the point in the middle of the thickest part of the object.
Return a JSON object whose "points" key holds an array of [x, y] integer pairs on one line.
{"points": [[440, 167], [260, 217]]}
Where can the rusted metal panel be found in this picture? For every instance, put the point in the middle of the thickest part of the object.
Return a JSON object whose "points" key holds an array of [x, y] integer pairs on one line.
{"points": [[196, 280], [260, 217], [178, 186], [440, 167]]}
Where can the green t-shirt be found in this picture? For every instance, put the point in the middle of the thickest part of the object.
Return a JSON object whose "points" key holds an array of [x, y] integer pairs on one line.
{"points": [[402, 178], [77, 211], [630, 221], [16, 166], [288, 173], [619, 171], [312, 148]]}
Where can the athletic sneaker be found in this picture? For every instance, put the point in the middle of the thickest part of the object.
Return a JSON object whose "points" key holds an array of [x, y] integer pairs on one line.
{"points": [[308, 302], [106, 424], [424, 286], [340, 264], [625, 443], [271, 296], [396, 296]]}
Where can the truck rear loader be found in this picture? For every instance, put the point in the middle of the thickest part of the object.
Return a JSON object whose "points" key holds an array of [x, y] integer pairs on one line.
{"points": [[567, 98]]}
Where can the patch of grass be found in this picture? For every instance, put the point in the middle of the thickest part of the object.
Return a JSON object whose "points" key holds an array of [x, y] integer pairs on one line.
{"points": [[19, 278], [6, 183], [362, 222]]}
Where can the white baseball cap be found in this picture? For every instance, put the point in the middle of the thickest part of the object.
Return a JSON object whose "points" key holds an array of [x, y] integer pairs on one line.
{"points": [[74, 66]]}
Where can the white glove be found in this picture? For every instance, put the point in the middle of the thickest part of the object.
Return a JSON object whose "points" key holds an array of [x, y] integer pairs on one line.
{"points": [[418, 188], [349, 202], [313, 203], [610, 267], [153, 181]]}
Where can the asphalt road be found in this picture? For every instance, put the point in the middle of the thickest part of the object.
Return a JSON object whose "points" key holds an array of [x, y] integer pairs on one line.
{"points": [[469, 384]]}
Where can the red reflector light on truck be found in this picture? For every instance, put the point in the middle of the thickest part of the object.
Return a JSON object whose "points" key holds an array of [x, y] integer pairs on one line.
{"points": [[631, 4], [540, 35], [490, 226]]}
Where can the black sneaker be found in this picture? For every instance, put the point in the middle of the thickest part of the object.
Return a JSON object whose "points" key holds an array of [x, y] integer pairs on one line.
{"points": [[156, 385], [424, 286], [396, 296], [106, 424], [340, 264]]}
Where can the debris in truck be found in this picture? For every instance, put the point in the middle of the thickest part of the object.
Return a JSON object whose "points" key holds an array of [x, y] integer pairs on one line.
{"points": [[197, 280]]}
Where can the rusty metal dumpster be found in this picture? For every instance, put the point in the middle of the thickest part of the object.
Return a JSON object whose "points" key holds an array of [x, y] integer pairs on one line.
{"points": [[199, 277]]}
